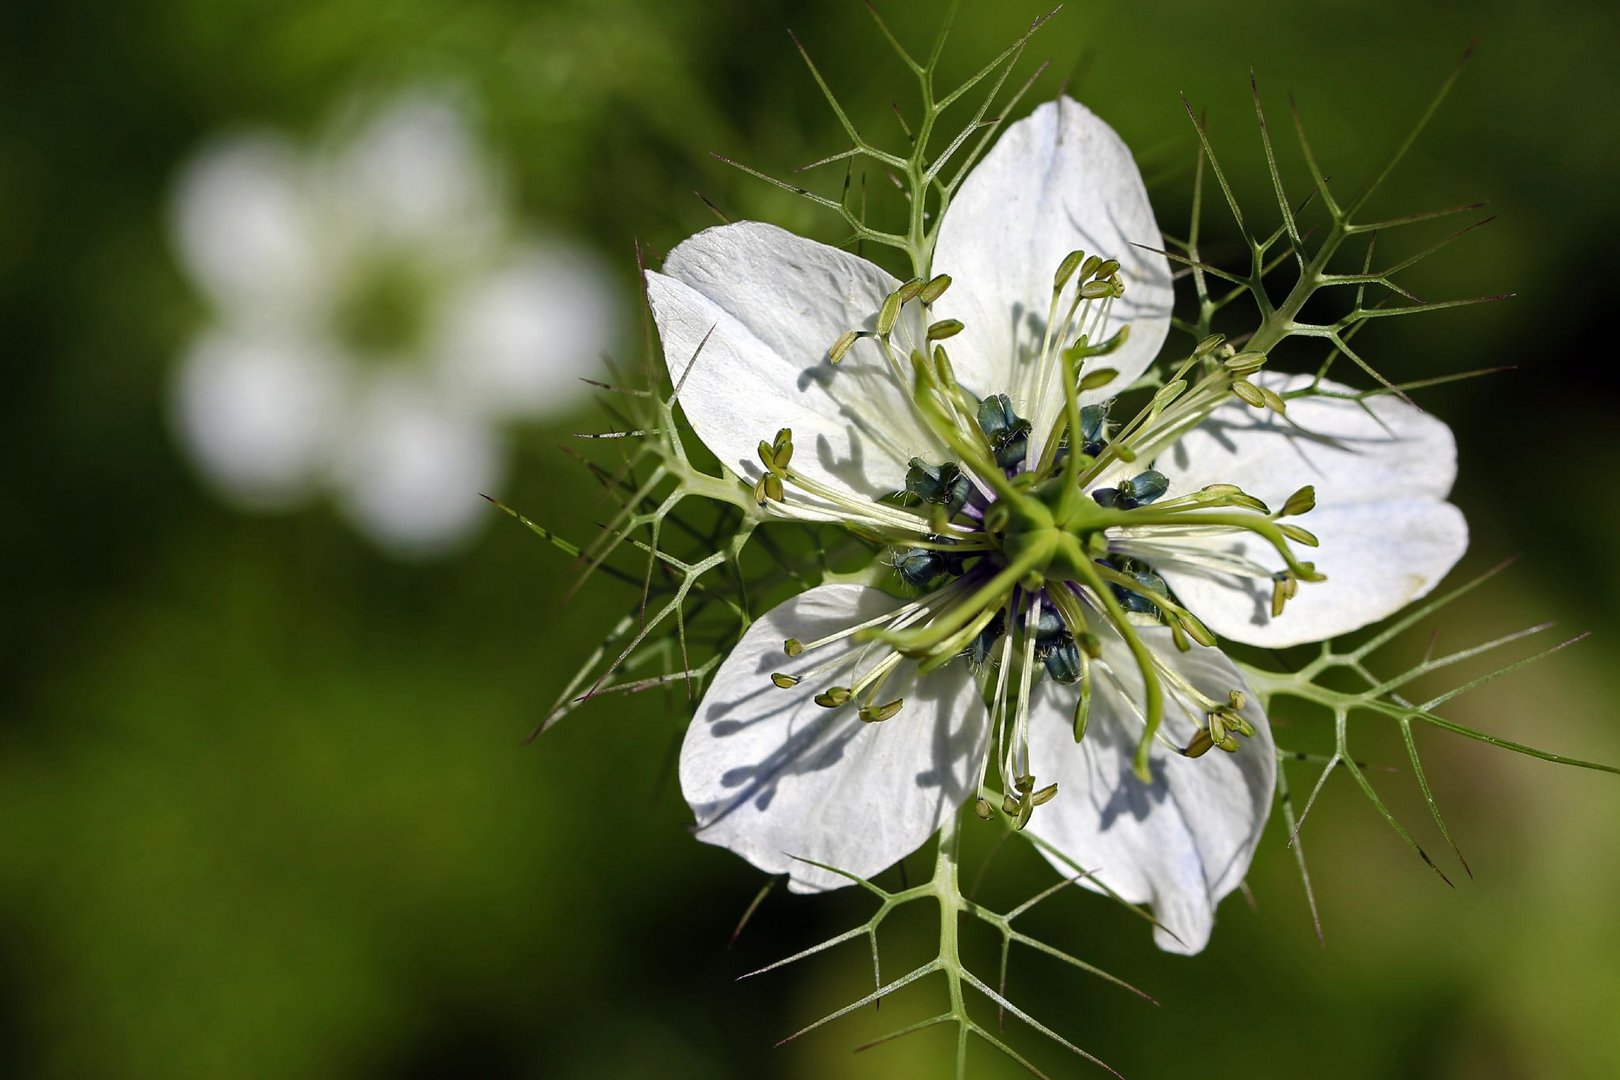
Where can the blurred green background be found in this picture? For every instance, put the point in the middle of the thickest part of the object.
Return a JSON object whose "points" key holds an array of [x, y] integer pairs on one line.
{"points": [[264, 809]]}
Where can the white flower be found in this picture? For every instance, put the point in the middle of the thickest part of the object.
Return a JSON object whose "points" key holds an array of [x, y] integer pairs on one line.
{"points": [[1064, 580], [375, 318]]}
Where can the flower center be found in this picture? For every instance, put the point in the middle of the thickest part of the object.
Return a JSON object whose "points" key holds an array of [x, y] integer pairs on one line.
{"points": [[1029, 548]]}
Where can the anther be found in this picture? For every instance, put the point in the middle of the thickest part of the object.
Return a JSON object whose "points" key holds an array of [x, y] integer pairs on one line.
{"points": [[793, 646], [879, 713], [786, 682], [842, 346], [1299, 535], [1066, 269], [1302, 501], [833, 697], [888, 314]]}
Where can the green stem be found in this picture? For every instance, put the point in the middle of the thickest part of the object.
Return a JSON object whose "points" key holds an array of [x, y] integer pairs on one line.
{"points": [[947, 892]]}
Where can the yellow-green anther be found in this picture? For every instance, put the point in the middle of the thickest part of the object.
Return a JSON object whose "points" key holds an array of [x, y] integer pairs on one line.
{"points": [[773, 487], [1302, 501], [1244, 363], [1249, 392], [1066, 269], [1279, 595], [786, 682], [833, 697], [1243, 500], [1238, 699], [1229, 744], [1197, 630], [760, 496], [942, 365], [888, 314], [1209, 344], [1098, 290], [1009, 805], [1216, 723], [1025, 784], [793, 646], [1106, 269], [879, 713], [1089, 267], [1299, 535], [1169, 392], [782, 448], [767, 455], [1199, 746], [1220, 489], [1082, 708], [944, 328], [1273, 400], [1090, 644], [982, 807], [910, 290], [1178, 637], [1043, 796], [1091, 380], [934, 289], [842, 346]]}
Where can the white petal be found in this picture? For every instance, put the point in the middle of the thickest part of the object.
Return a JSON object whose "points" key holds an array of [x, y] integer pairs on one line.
{"points": [[1180, 844], [259, 415], [413, 173], [245, 229], [411, 471], [777, 778], [1059, 181], [764, 306], [520, 340], [1381, 469]]}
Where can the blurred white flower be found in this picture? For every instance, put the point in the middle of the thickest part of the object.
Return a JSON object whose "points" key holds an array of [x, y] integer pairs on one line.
{"points": [[376, 315]]}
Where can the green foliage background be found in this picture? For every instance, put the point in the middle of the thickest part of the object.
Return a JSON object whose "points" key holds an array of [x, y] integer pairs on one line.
{"points": [[263, 805]]}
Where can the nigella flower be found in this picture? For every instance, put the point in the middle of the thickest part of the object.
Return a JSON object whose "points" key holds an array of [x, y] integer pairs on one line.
{"points": [[376, 317], [1065, 570]]}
